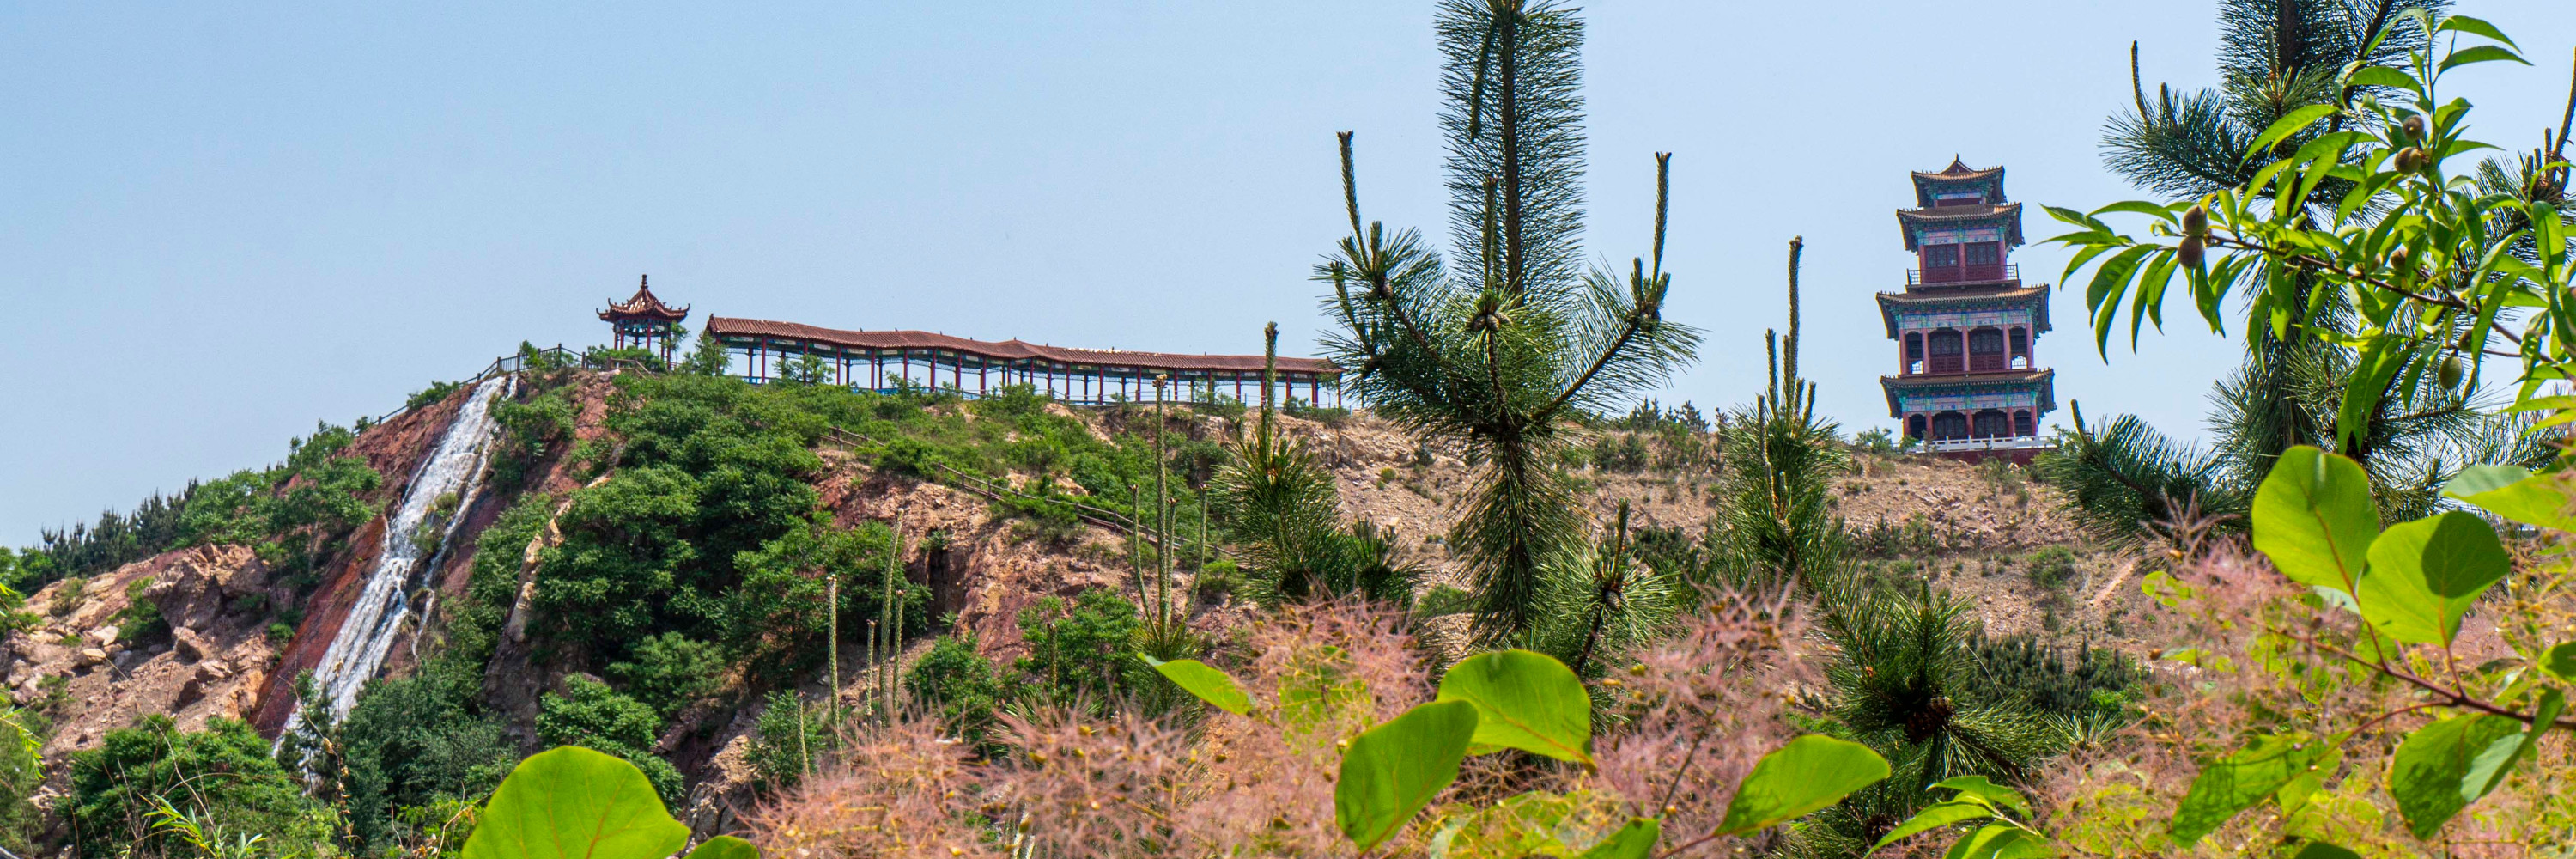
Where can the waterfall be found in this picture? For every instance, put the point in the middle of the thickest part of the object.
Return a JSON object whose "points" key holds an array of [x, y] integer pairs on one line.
{"points": [[367, 634]]}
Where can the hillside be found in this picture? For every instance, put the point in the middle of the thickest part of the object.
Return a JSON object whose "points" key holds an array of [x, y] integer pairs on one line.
{"points": [[572, 450]]}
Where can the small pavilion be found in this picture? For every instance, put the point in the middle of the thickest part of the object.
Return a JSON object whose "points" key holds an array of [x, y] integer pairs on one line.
{"points": [[644, 322]]}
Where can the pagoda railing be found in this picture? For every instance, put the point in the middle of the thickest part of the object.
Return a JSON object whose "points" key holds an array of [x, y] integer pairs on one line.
{"points": [[2004, 273], [2001, 443]]}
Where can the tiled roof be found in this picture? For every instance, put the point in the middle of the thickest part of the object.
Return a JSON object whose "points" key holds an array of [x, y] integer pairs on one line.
{"points": [[644, 304], [1888, 301], [1959, 171], [1958, 174], [1007, 350], [2009, 214], [2046, 380]]}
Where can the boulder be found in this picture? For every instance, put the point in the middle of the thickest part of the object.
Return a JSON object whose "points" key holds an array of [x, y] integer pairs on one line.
{"points": [[92, 656], [101, 636], [192, 647]]}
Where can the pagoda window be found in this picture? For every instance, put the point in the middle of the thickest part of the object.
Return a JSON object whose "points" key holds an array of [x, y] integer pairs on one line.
{"points": [[1944, 349], [1947, 426], [2022, 425], [1984, 261], [1914, 426], [1991, 423], [1940, 263], [1913, 352], [1986, 349], [2021, 348]]}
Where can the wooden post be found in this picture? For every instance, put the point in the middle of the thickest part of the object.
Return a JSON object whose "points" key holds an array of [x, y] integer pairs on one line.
{"points": [[1162, 514], [832, 609]]}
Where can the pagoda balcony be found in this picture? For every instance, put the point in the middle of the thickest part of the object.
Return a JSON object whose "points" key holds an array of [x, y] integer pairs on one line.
{"points": [[2019, 442], [1964, 275]]}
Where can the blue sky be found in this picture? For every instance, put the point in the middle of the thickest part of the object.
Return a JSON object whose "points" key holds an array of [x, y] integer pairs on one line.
{"points": [[221, 225]]}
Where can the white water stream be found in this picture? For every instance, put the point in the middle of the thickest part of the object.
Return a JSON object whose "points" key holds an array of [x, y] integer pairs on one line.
{"points": [[367, 634]]}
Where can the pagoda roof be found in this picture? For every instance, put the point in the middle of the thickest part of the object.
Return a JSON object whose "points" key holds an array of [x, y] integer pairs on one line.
{"points": [[644, 305], [724, 327], [2046, 379], [2007, 216], [1936, 296], [1958, 173]]}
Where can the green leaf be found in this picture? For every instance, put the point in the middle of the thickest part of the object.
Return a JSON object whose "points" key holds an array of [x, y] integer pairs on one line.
{"points": [[2285, 126], [2000, 841], [574, 803], [2381, 76], [2559, 661], [2426, 574], [2315, 519], [2111, 281], [1633, 841], [2479, 54], [2513, 494], [2141, 207], [2433, 762], [725, 847], [2466, 24], [2493, 764], [2237, 781], [1209, 684], [1524, 700], [2322, 850], [1391, 771], [1809, 773], [1981, 788], [1935, 817]]}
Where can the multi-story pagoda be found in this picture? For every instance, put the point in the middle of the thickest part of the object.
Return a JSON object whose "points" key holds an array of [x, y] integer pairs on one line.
{"points": [[1967, 383], [644, 322]]}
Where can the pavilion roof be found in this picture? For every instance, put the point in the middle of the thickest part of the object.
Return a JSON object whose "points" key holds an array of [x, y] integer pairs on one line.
{"points": [[1888, 302], [724, 327], [2046, 379], [644, 305], [1958, 173], [2007, 216]]}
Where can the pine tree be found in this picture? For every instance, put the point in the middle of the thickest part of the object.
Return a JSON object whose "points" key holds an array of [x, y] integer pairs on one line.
{"points": [[1505, 345], [1777, 529]]}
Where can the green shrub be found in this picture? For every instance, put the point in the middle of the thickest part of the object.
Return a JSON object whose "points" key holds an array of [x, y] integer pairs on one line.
{"points": [[530, 432], [788, 738], [1082, 650], [140, 623], [1445, 600], [2050, 568], [221, 775], [597, 717], [960, 684], [21, 771], [670, 671], [431, 395], [1219, 579], [416, 741]]}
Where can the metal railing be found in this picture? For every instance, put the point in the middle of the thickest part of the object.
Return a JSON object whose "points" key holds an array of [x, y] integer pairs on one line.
{"points": [[519, 361], [2003, 443], [2005, 273]]}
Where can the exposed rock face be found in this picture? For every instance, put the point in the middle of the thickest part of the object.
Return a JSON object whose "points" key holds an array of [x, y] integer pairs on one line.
{"points": [[213, 600]]}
